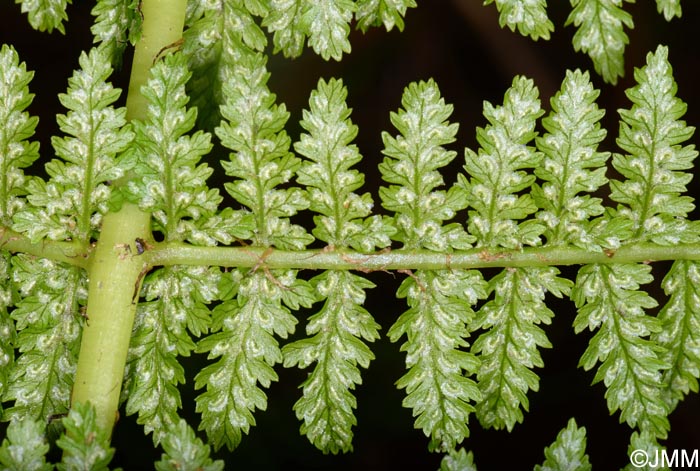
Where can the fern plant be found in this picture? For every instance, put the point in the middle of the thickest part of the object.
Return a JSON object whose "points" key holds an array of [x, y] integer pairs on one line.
{"points": [[122, 258]]}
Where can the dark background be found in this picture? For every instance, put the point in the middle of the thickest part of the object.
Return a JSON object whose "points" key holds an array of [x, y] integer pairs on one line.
{"points": [[459, 44]]}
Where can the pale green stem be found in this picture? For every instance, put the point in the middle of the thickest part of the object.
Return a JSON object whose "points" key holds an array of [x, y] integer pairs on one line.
{"points": [[115, 268], [183, 254]]}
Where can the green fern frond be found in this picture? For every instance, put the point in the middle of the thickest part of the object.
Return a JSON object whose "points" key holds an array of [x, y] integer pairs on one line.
{"points": [[458, 460], [669, 8], [680, 336], [25, 446], [46, 15], [390, 13], [325, 24], [261, 160], [411, 163], [568, 452], [16, 151], [497, 175], [336, 331], [7, 327], [247, 350], [71, 204], [652, 134], [176, 301], [529, 17], [184, 451], [48, 323], [508, 349], [117, 24], [84, 444], [601, 34], [216, 34], [438, 387], [645, 454], [571, 165], [609, 299], [335, 346], [170, 182]]}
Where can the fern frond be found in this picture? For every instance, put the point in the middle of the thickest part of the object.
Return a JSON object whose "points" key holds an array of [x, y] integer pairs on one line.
{"points": [[325, 24], [247, 351], [25, 446], [184, 451], [601, 34], [261, 161], [390, 13], [650, 457], [438, 387], [458, 460], [85, 445], [328, 175], [653, 135], [335, 346], [571, 165], [508, 349], [529, 17], [680, 336], [497, 174], [217, 33], [70, 205], [669, 8], [609, 299], [48, 323], [336, 331], [46, 15], [411, 163], [16, 151], [7, 327], [117, 24], [176, 301], [568, 452], [170, 182]]}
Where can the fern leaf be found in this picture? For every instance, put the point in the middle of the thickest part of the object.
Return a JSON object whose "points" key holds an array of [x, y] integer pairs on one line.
{"points": [[85, 445], [16, 151], [411, 162], [247, 351], [669, 8], [25, 446], [645, 454], [328, 175], [7, 327], [438, 387], [529, 17], [184, 451], [508, 349], [608, 299], [497, 174], [261, 159], [458, 460], [653, 135], [70, 205], [571, 165], [568, 452], [117, 24], [48, 322], [390, 13], [601, 34], [176, 299], [680, 336], [335, 346], [171, 184], [46, 15], [216, 32], [326, 24]]}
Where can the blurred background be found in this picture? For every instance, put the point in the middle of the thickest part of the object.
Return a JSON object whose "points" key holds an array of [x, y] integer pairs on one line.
{"points": [[460, 45]]}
